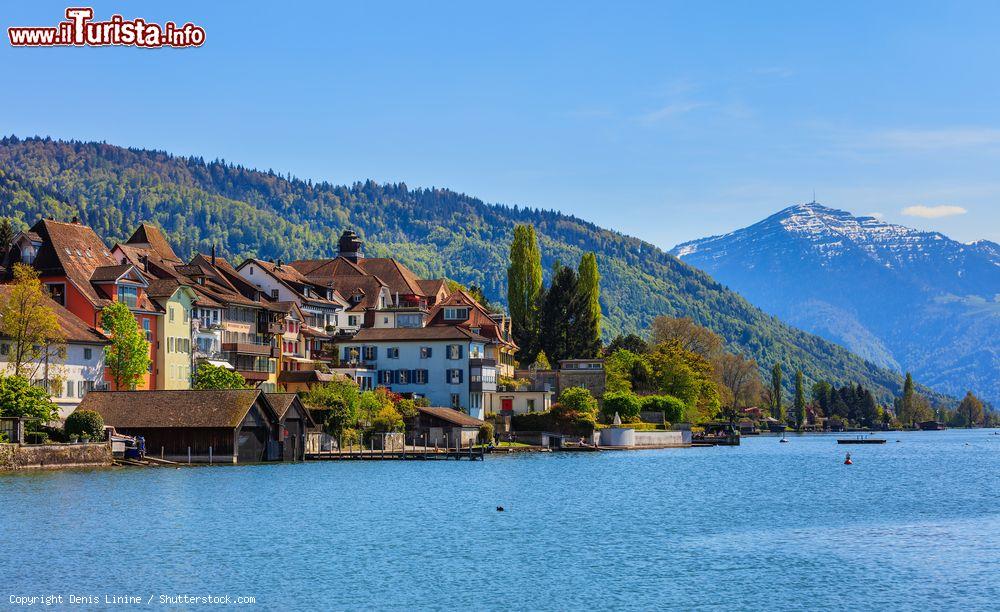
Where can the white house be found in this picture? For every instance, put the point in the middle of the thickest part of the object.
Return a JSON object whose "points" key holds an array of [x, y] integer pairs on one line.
{"points": [[445, 364], [69, 374]]}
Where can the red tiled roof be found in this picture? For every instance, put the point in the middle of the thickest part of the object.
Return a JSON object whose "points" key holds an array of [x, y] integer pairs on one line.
{"points": [[73, 329], [416, 334], [151, 237]]}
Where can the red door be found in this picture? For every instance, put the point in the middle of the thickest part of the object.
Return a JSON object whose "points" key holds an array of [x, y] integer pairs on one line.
{"points": [[507, 404]]}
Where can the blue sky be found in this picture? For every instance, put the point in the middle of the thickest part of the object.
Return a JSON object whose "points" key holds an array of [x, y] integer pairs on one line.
{"points": [[668, 121]]}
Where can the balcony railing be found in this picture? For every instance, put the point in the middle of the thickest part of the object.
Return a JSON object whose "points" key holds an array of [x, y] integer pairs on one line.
{"points": [[248, 348], [481, 362], [253, 374]]}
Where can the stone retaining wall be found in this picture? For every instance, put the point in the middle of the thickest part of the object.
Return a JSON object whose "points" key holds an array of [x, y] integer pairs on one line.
{"points": [[54, 456]]}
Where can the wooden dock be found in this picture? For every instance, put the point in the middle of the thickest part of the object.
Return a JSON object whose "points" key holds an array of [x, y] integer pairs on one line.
{"points": [[472, 454]]}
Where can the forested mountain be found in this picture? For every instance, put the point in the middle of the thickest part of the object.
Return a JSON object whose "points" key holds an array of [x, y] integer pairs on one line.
{"points": [[437, 232], [903, 298]]}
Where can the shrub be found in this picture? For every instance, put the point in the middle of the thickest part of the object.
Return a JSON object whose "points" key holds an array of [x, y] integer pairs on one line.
{"points": [[387, 419], [578, 399], [349, 437], [486, 433], [85, 423], [671, 407], [625, 403], [36, 437]]}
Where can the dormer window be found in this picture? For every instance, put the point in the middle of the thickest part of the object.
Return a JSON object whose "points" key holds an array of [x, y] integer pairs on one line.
{"points": [[128, 295], [28, 255], [305, 291], [456, 314]]}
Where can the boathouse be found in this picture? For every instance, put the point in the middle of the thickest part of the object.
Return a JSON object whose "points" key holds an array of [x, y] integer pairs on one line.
{"points": [[211, 425], [442, 427], [292, 420]]}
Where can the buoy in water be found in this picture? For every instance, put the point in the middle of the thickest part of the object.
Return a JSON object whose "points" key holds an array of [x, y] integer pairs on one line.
{"points": [[847, 460]]}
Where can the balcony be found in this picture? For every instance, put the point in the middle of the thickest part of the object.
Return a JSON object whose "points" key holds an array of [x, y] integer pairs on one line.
{"points": [[247, 348], [275, 329], [253, 375], [482, 362]]}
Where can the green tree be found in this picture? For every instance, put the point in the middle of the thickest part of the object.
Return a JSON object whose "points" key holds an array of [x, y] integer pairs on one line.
{"points": [[209, 376], [387, 419], [557, 320], [971, 410], [6, 236], [629, 342], [127, 357], [19, 398], [776, 409], [85, 423], [625, 404], [578, 399], [524, 288], [800, 401], [588, 288], [28, 320]]}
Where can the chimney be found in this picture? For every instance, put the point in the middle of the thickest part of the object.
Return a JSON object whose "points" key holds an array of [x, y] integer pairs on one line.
{"points": [[213, 255], [76, 220], [144, 260], [278, 265]]}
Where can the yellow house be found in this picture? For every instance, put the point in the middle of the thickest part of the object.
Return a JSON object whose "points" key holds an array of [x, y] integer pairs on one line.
{"points": [[173, 342]]}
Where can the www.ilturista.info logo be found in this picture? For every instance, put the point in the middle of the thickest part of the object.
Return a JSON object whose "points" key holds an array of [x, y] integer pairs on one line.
{"points": [[80, 31]]}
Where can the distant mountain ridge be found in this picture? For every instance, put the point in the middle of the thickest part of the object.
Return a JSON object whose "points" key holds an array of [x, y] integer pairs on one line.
{"points": [[246, 212], [903, 298]]}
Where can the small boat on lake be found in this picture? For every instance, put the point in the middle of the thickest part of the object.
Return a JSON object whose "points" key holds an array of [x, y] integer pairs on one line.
{"points": [[861, 440]]}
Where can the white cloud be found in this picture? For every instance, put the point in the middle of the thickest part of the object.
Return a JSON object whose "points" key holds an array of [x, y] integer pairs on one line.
{"points": [[933, 212]]}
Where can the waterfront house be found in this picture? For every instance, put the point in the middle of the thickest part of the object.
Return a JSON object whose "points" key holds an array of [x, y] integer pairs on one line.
{"points": [[586, 373], [292, 421], [462, 310], [68, 376], [370, 280], [222, 426], [442, 427], [79, 272], [321, 305], [446, 364], [509, 400]]}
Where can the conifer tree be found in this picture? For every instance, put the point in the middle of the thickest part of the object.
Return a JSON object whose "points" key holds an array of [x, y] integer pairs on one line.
{"points": [[558, 319], [776, 408], [800, 401], [589, 289]]}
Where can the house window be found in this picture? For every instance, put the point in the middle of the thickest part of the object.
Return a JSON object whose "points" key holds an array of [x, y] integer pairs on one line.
{"points": [[456, 314], [531, 405], [403, 377], [146, 327], [454, 351], [475, 330], [170, 344], [69, 388], [409, 320], [420, 377], [370, 353], [58, 292], [28, 255], [4, 349], [170, 313], [274, 294], [128, 295], [456, 400], [425, 352], [454, 376], [352, 320], [392, 352]]}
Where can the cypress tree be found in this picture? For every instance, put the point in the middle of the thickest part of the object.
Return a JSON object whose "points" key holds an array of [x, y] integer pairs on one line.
{"points": [[800, 401], [589, 288], [524, 291], [908, 404], [776, 411]]}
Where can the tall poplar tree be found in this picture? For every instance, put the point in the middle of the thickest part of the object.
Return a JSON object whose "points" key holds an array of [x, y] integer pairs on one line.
{"points": [[776, 411], [588, 286], [908, 403], [800, 401], [524, 291]]}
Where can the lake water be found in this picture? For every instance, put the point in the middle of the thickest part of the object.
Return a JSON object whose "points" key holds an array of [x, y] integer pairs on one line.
{"points": [[913, 524]]}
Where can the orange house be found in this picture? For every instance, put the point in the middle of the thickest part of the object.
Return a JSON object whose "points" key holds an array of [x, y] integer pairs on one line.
{"points": [[79, 272]]}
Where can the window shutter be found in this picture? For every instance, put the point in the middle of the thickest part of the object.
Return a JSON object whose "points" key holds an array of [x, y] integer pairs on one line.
{"points": [[460, 347]]}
